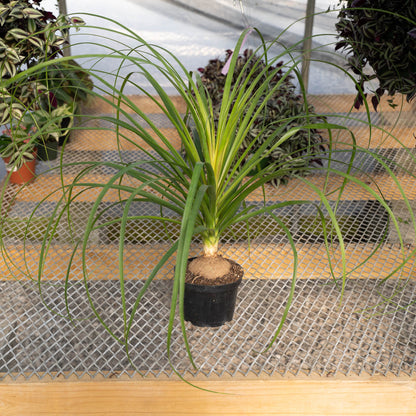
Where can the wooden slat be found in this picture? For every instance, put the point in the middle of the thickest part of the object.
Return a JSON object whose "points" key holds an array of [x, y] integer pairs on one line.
{"points": [[301, 397], [49, 187], [144, 103], [384, 136], [104, 140], [261, 261], [344, 103], [323, 103], [387, 137], [287, 396], [401, 134], [298, 189]]}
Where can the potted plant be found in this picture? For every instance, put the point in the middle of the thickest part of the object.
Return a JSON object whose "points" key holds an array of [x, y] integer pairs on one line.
{"points": [[18, 151], [29, 35], [65, 114], [202, 187], [48, 126], [66, 88], [381, 36], [293, 155]]}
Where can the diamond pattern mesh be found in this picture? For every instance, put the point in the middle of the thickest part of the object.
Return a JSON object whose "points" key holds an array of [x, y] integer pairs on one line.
{"points": [[42, 335]]}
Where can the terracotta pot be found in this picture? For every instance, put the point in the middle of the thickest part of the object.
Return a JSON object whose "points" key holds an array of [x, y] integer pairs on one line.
{"points": [[25, 174]]}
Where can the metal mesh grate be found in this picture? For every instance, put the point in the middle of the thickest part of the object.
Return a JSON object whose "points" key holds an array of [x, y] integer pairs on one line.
{"points": [[323, 334]]}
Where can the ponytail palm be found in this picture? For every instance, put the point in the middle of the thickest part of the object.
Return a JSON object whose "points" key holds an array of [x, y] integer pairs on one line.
{"points": [[200, 187]]}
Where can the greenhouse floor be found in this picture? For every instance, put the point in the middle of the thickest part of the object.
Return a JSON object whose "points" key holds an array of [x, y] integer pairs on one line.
{"points": [[355, 339]]}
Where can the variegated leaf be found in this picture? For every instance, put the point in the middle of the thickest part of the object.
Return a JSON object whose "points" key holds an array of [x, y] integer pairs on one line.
{"points": [[16, 111], [28, 156], [51, 37], [17, 34], [36, 41], [13, 56], [77, 21], [59, 42], [4, 93], [32, 13], [16, 13], [4, 12], [31, 25], [9, 68], [5, 115]]}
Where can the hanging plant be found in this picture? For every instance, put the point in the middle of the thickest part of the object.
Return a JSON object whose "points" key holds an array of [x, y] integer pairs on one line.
{"points": [[285, 110], [374, 35]]}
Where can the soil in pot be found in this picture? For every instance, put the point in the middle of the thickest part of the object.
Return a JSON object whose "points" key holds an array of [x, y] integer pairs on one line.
{"points": [[210, 301]]}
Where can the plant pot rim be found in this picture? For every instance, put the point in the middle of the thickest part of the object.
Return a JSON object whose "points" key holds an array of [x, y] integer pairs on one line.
{"points": [[224, 285]]}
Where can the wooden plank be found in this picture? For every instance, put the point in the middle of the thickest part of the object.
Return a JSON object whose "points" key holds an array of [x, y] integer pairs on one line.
{"points": [[48, 188], [298, 189], [387, 137], [106, 139], [323, 103], [344, 103], [144, 103], [390, 135], [371, 397], [260, 261], [383, 136]]}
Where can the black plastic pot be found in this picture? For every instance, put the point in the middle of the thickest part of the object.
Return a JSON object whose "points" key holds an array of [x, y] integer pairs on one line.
{"points": [[47, 150], [210, 305], [64, 138]]}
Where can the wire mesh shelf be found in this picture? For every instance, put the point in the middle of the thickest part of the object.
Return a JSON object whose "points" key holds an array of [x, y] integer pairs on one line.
{"points": [[323, 334]]}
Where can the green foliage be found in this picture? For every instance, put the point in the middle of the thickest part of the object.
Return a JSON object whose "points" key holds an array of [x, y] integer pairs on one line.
{"points": [[18, 142], [202, 190], [66, 83], [28, 35], [16, 145], [47, 124], [381, 34], [284, 110]]}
